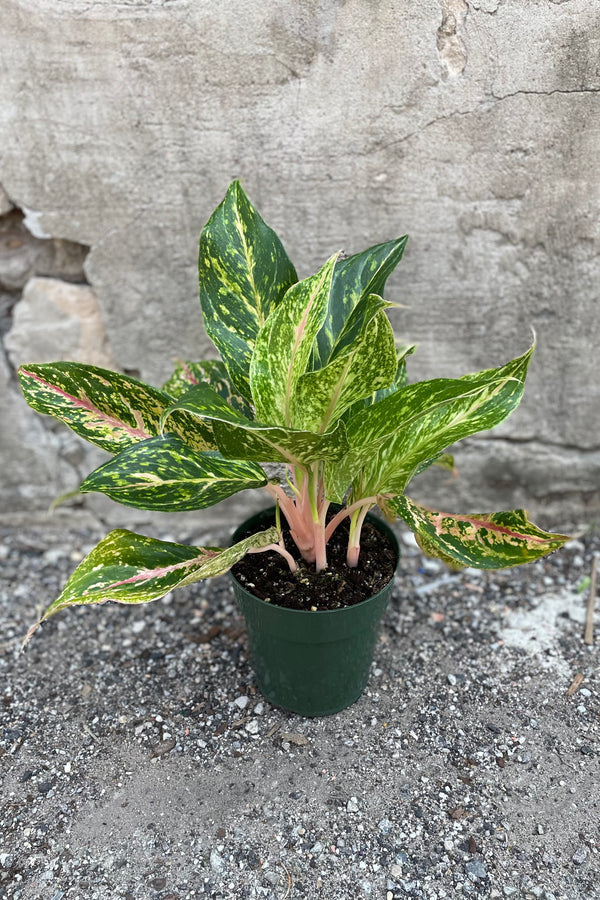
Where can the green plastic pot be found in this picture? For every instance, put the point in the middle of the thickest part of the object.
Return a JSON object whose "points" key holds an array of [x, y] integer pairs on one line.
{"points": [[311, 663]]}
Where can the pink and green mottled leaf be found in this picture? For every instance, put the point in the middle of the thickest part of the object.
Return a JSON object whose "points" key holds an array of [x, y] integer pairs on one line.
{"points": [[354, 279], [244, 273], [368, 365], [284, 345], [211, 372], [106, 408], [165, 474], [484, 541], [131, 568], [240, 438]]}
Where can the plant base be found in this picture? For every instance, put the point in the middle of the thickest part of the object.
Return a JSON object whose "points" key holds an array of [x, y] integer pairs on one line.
{"points": [[311, 663]]}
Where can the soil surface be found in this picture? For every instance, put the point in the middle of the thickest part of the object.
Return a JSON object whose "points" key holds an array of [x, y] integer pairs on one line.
{"points": [[268, 576], [139, 761]]}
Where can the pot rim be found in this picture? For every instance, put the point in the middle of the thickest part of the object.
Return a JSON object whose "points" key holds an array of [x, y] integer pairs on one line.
{"points": [[379, 523]]}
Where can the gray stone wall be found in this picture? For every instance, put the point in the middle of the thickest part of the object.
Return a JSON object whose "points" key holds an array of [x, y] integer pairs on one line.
{"points": [[473, 126]]}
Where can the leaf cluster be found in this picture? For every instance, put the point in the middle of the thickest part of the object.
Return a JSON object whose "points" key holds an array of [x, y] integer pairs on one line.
{"points": [[310, 376]]}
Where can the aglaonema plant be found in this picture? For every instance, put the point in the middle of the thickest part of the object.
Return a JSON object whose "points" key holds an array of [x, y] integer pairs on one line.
{"points": [[310, 377]]}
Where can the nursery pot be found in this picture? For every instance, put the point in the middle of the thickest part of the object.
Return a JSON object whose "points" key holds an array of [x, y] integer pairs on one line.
{"points": [[311, 663]]}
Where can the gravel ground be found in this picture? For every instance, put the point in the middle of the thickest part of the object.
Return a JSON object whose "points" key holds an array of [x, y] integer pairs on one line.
{"points": [[138, 760]]}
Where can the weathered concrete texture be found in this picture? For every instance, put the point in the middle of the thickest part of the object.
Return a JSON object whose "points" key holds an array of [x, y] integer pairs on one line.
{"points": [[55, 320], [473, 126]]}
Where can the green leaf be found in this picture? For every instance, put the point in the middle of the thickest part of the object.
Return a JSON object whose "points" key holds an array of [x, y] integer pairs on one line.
{"points": [[244, 273], [165, 474], [420, 421], [368, 365], [284, 345], [239, 438], [211, 372], [485, 541], [106, 408], [354, 279], [130, 568]]}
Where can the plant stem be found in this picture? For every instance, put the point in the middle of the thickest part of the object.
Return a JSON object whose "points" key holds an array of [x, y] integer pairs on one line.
{"points": [[356, 523], [278, 548], [347, 511]]}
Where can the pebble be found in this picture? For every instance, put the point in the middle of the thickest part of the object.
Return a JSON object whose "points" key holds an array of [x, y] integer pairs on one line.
{"points": [[217, 862], [452, 680], [396, 871], [476, 869], [294, 737], [252, 727], [580, 856], [509, 891], [352, 804], [241, 702]]}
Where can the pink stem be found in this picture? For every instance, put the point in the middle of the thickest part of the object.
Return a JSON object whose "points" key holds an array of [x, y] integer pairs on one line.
{"points": [[354, 541], [278, 548], [347, 511]]}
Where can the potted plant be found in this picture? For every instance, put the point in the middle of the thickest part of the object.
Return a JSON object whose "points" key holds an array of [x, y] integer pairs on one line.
{"points": [[310, 378]]}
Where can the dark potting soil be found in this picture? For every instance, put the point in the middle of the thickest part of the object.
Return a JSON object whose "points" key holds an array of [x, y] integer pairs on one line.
{"points": [[267, 575]]}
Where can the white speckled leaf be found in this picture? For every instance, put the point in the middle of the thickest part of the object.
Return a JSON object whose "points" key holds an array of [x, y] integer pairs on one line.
{"points": [[165, 474], [368, 364], [211, 372], [354, 279], [284, 345], [239, 438], [391, 439], [244, 273]]}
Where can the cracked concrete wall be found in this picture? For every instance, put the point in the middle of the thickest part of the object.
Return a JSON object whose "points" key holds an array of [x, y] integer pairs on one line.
{"points": [[473, 125]]}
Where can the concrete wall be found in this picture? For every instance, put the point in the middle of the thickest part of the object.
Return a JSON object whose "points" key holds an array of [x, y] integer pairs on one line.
{"points": [[473, 126]]}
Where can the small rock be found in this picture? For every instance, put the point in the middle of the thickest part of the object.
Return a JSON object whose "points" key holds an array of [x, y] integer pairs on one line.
{"points": [[452, 679], [294, 737], [317, 847], [509, 891], [216, 861], [384, 826], [396, 871], [352, 804], [241, 702], [476, 869], [580, 856], [259, 709], [252, 727], [163, 747]]}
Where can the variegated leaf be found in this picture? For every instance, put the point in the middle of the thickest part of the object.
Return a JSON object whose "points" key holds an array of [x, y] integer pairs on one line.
{"points": [[284, 345], [354, 279], [239, 438], [130, 568], [244, 273], [211, 372], [106, 408], [368, 365], [420, 421], [400, 380], [165, 474], [485, 541]]}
